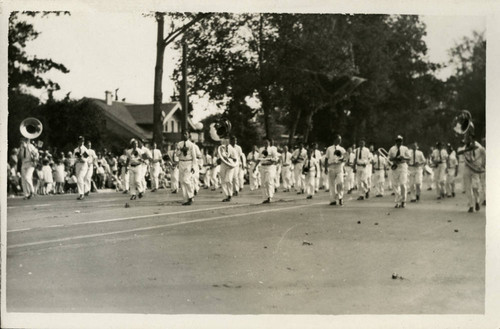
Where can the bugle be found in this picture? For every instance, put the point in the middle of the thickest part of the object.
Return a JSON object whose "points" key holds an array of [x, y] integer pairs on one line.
{"points": [[384, 154]]}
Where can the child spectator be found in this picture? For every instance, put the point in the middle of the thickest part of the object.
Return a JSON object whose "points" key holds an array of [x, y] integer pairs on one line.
{"points": [[48, 180], [59, 176]]}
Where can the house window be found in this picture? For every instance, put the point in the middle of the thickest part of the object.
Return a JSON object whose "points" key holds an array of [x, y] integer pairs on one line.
{"points": [[173, 126]]}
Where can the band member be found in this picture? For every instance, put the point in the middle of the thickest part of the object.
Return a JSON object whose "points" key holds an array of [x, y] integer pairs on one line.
{"points": [[134, 162], [243, 170], [286, 172], [215, 171], [239, 165], [226, 171], [461, 166], [196, 175], [334, 167], [278, 167], [155, 167], [439, 158], [146, 156], [207, 165], [399, 155], [252, 171], [311, 169], [81, 166], [92, 163], [124, 171], [416, 169], [349, 170], [298, 157], [451, 171], [362, 159], [475, 162], [324, 183], [186, 154], [27, 157], [369, 168], [379, 169], [268, 157], [432, 166]]}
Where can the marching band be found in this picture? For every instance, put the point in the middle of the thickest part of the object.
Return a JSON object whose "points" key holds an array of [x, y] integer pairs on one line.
{"points": [[307, 169]]}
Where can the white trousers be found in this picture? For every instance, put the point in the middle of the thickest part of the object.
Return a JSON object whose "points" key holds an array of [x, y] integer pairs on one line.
{"points": [[125, 177], [298, 176], [472, 185], [155, 174], [174, 179], [227, 177], [186, 179], [252, 175], [362, 180], [379, 181], [88, 177], [416, 178], [81, 169], [286, 175], [236, 178], [336, 182], [399, 181], [136, 179], [440, 178], [268, 173], [27, 170], [208, 177], [349, 184], [311, 182]]}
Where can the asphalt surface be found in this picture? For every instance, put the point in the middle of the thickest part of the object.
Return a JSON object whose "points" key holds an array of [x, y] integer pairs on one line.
{"points": [[294, 256]]}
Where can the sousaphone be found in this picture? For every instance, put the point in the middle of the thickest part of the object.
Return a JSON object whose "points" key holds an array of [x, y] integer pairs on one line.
{"points": [[224, 156], [31, 128]]}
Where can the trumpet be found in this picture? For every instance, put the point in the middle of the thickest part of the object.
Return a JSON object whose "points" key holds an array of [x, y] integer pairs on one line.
{"points": [[384, 154]]}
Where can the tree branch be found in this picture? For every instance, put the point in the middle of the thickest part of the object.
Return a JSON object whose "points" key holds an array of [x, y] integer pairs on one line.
{"points": [[173, 35]]}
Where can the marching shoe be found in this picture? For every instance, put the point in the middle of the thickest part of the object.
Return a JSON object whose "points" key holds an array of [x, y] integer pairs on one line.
{"points": [[174, 191], [484, 203], [80, 197], [341, 202], [403, 204], [235, 193], [153, 190], [429, 189], [349, 192], [477, 206], [188, 202], [87, 193], [309, 197], [327, 190], [227, 199], [195, 192], [141, 194], [413, 200], [333, 203], [367, 195], [470, 209], [360, 197], [125, 192], [418, 197], [397, 205], [133, 197], [379, 196], [453, 194], [393, 193], [268, 200], [438, 198]]}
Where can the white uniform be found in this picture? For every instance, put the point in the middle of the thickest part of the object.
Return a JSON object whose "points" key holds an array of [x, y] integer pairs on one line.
{"points": [[125, 176], [186, 153], [461, 167], [439, 158], [155, 168], [144, 167], [286, 171], [298, 157], [227, 172], [215, 173], [277, 175], [400, 174], [91, 160], [207, 164], [81, 169], [135, 171], [451, 172], [369, 171], [196, 175], [27, 155], [362, 159], [324, 177], [475, 162], [335, 172], [349, 172], [416, 169], [268, 170], [252, 174], [312, 168], [379, 167], [238, 169]]}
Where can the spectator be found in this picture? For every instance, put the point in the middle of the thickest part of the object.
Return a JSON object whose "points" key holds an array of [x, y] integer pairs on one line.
{"points": [[59, 175]]}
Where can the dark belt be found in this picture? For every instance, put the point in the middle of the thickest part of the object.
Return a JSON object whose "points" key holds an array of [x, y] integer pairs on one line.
{"points": [[266, 164], [379, 169], [187, 160], [285, 165], [135, 165]]}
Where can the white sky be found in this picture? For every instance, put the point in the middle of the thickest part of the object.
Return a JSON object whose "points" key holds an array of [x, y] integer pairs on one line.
{"points": [[105, 51]]}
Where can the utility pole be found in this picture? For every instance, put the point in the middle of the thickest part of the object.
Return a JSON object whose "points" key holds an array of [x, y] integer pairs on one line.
{"points": [[184, 99]]}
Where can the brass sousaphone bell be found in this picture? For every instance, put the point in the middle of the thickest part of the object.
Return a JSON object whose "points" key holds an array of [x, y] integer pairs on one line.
{"points": [[31, 128], [462, 124]]}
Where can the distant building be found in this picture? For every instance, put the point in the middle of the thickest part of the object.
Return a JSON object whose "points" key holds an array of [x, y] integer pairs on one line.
{"points": [[125, 121]]}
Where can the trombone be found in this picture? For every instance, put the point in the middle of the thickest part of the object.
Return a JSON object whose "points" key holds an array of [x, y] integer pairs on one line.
{"points": [[384, 154]]}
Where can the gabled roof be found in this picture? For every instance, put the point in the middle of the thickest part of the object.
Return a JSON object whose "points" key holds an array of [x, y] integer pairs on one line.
{"points": [[119, 113], [143, 113]]}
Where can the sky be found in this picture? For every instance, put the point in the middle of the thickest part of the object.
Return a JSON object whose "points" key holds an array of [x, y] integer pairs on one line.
{"points": [[106, 51]]}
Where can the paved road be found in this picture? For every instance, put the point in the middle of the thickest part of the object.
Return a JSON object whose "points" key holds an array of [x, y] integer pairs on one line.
{"points": [[292, 256]]}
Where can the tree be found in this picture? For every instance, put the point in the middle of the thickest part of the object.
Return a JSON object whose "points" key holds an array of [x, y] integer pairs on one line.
{"points": [[186, 21]]}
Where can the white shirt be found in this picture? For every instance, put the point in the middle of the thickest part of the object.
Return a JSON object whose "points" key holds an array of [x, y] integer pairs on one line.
{"points": [[476, 159], [334, 160], [239, 153], [92, 157], [379, 162], [81, 149], [417, 158], [134, 159], [190, 151], [156, 155], [313, 164], [452, 161], [299, 155], [439, 156], [272, 155], [31, 153], [286, 158], [363, 156], [230, 152], [403, 151]]}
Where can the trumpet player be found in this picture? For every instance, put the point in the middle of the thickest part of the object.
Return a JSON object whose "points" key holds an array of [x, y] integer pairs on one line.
{"points": [[399, 155], [379, 169], [475, 162], [416, 168], [91, 160], [439, 158], [361, 161], [81, 166], [135, 162], [155, 167], [187, 161], [334, 168], [267, 160], [227, 172], [27, 157]]}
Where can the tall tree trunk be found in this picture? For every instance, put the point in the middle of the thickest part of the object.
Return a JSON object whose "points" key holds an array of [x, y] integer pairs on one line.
{"points": [[294, 127], [184, 95], [308, 126], [263, 92], [158, 95]]}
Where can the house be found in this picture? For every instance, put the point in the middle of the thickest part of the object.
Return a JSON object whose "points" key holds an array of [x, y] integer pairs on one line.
{"points": [[124, 121]]}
